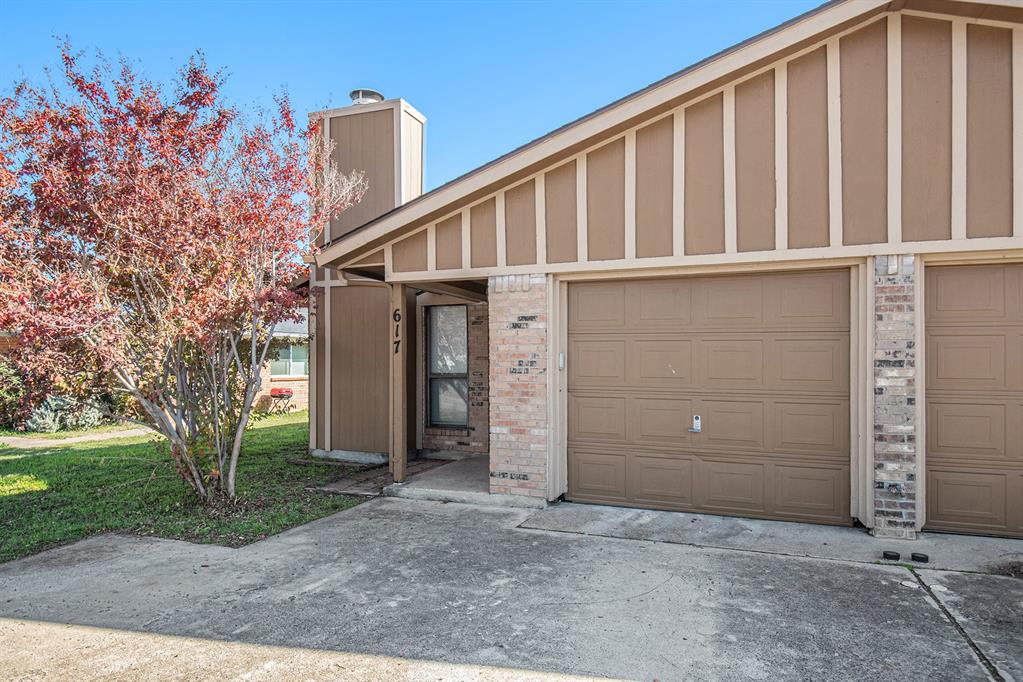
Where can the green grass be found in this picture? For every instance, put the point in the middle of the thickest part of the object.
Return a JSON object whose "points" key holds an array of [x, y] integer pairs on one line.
{"points": [[55, 495]]}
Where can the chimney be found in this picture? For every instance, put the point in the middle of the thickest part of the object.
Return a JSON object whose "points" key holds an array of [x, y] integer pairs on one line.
{"points": [[382, 138], [365, 96]]}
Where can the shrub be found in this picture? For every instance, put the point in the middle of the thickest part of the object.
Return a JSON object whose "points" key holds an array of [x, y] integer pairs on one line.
{"points": [[57, 413], [46, 416], [13, 406]]}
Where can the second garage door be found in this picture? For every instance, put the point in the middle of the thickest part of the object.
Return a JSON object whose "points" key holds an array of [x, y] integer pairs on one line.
{"points": [[762, 359], [975, 399]]}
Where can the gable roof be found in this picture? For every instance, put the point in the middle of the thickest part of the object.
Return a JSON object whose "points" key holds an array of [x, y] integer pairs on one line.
{"points": [[766, 47]]}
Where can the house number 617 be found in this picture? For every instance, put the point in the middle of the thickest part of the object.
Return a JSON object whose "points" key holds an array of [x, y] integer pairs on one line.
{"points": [[396, 316]]}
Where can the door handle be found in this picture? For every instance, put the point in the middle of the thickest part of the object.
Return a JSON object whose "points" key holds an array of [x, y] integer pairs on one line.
{"points": [[697, 426]]}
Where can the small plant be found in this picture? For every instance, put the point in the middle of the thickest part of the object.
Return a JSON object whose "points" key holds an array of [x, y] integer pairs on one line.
{"points": [[83, 417], [46, 416], [57, 413]]}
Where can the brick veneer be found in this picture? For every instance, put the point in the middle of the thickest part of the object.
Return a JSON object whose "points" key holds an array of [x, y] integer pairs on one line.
{"points": [[518, 385], [298, 385], [476, 438], [895, 423]]}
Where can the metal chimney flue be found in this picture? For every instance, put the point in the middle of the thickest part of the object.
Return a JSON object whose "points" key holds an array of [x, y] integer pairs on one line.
{"points": [[365, 96]]}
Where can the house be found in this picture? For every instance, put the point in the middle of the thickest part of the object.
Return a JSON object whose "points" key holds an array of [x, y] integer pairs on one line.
{"points": [[786, 283], [285, 379]]}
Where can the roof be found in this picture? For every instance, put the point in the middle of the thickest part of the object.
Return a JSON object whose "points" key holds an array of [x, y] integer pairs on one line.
{"points": [[290, 328], [532, 155]]}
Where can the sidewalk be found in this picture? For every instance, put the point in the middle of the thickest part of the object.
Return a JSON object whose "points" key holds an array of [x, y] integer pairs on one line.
{"points": [[24, 443]]}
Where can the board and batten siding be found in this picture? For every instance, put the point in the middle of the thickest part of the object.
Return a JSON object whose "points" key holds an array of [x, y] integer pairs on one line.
{"points": [[901, 134]]}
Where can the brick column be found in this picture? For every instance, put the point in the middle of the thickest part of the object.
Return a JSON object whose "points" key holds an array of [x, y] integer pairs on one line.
{"points": [[518, 385], [895, 424]]}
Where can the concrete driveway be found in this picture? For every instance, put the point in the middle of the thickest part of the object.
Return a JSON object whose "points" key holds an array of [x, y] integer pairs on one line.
{"points": [[405, 589]]}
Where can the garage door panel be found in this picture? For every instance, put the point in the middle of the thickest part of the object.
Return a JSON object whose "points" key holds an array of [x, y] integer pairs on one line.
{"points": [[597, 363], [732, 423], [967, 294], [732, 302], [597, 306], [966, 361], [730, 362], [732, 486], [957, 427], [967, 498], [763, 359], [660, 420], [596, 418], [597, 476], [664, 363], [974, 327], [818, 428], [661, 480], [666, 305], [802, 301], [810, 364], [811, 491]]}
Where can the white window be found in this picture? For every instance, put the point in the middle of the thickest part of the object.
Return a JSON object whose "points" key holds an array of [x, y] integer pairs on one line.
{"points": [[447, 366], [292, 360]]}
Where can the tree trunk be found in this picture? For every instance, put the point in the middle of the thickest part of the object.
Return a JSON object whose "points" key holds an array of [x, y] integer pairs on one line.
{"points": [[243, 421]]}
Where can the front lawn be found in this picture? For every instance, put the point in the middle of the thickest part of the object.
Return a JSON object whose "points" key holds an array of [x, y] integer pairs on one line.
{"points": [[62, 493]]}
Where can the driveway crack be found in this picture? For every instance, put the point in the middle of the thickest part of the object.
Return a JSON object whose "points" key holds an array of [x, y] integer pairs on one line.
{"points": [[992, 669]]}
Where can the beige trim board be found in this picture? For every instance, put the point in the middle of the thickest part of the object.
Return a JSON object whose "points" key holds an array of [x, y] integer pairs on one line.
{"points": [[976, 258], [630, 194], [327, 378], [728, 145], [431, 247], [582, 222], [678, 189], [466, 240], [313, 369], [834, 88], [747, 259], [867, 427], [502, 231], [1017, 132], [781, 157], [540, 199], [557, 388], [970, 20], [920, 386], [894, 107], [363, 108], [959, 129]]}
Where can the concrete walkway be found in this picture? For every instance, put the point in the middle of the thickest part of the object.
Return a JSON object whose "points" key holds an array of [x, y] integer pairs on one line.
{"points": [[405, 589], [20, 442], [466, 481], [944, 551]]}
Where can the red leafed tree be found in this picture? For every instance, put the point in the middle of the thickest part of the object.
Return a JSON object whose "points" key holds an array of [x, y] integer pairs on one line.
{"points": [[151, 239]]}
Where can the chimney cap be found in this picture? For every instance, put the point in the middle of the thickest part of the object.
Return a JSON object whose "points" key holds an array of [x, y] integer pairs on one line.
{"points": [[365, 96]]}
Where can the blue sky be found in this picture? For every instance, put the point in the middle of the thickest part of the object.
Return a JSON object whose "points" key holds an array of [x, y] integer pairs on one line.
{"points": [[489, 76]]}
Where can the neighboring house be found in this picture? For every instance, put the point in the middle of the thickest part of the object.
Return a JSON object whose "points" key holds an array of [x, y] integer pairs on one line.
{"points": [[786, 282], [7, 342], [289, 372]]}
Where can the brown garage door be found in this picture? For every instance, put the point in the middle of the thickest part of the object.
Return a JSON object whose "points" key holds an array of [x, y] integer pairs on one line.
{"points": [[975, 399], [764, 361]]}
